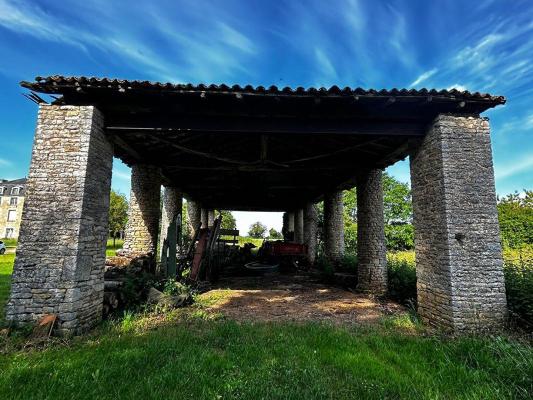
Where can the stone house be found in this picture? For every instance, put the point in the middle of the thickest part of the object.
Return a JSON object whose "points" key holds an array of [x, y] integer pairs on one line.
{"points": [[11, 203]]}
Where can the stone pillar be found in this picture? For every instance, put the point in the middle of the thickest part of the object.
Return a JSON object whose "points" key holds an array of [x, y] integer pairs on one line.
{"points": [[59, 267], [333, 226], [299, 225], [194, 217], [172, 205], [460, 282], [285, 226], [310, 231], [290, 221], [204, 214], [143, 212], [210, 218], [371, 248]]}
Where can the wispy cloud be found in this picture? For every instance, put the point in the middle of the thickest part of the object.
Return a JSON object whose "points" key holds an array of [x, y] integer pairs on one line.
{"points": [[514, 168], [424, 77], [121, 175], [179, 55], [327, 71], [457, 86], [5, 163]]}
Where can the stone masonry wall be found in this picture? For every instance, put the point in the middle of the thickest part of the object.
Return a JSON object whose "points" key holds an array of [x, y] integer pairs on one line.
{"points": [[299, 226], [457, 241], [172, 205], [371, 247], [60, 260], [333, 226], [143, 213], [311, 231], [194, 217]]}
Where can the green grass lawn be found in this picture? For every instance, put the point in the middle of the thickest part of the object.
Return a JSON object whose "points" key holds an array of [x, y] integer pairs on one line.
{"points": [[10, 242], [111, 250], [186, 355], [6, 269]]}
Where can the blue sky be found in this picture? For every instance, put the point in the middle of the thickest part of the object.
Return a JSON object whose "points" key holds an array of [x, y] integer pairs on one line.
{"points": [[479, 45]]}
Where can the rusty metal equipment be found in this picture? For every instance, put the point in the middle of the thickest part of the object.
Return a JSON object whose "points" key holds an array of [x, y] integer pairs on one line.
{"points": [[289, 255]]}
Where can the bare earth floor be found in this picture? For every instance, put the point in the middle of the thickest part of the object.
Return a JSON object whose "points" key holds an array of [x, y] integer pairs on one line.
{"points": [[297, 298]]}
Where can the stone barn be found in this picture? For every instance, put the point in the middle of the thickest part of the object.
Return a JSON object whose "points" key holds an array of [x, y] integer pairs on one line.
{"points": [[256, 148]]}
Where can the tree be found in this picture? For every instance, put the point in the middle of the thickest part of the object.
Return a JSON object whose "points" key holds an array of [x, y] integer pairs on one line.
{"points": [[274, 234], [397, 213], [228, 220], [515, 213], [257, 230], [118, 213]]}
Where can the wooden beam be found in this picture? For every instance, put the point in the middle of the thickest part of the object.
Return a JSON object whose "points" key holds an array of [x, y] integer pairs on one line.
{"points": [[151, 123]]}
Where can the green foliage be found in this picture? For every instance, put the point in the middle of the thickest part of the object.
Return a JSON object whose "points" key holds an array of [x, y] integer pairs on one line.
{"points": [[118, 212], [350, 236], [274, 234], [348, 263], [518, 270], [515, 213], [228, 220], [400, 237], [397, 204], [175, 288], [401, 278], [324, 266], [257, 230]]}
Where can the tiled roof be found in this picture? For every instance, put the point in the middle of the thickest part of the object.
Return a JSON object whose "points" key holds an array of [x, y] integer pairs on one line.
{"points": [[7, 185], [57, 84]]}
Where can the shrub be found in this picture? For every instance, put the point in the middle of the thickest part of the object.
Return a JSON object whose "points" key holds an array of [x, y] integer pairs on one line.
{"points": [[400, 237], [324, 265], [402, 277], [348, 263], [518, 271]]}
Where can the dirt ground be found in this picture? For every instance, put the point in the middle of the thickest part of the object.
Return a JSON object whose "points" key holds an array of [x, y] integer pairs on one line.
{"points": [[297, 298]]}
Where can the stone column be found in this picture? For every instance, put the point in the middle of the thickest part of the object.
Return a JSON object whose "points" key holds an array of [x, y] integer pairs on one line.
{"points": [[290, 226], [59, 267], [285, 226], [143, 212], [310, 231], [371, 248], [204, 215], [172, 205], [290, 221], [333, 226], [299, 225], [210, 218], [194, 216], [460, 280]]}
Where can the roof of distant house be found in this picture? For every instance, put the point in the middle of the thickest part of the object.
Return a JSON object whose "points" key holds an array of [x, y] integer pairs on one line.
{"points": [[8, 185]]}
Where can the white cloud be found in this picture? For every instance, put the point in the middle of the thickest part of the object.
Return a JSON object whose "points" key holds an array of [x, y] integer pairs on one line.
{"points": [[515, 168], [457, 87], [236, 39], [424, 77], [327, 70], [5, 163], [121, 175]]}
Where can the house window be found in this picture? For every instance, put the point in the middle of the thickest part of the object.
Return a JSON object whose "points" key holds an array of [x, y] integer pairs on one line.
{"points": [[10, 233], [11, 216], [15, 191], [2, 189], [13, 201]]}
